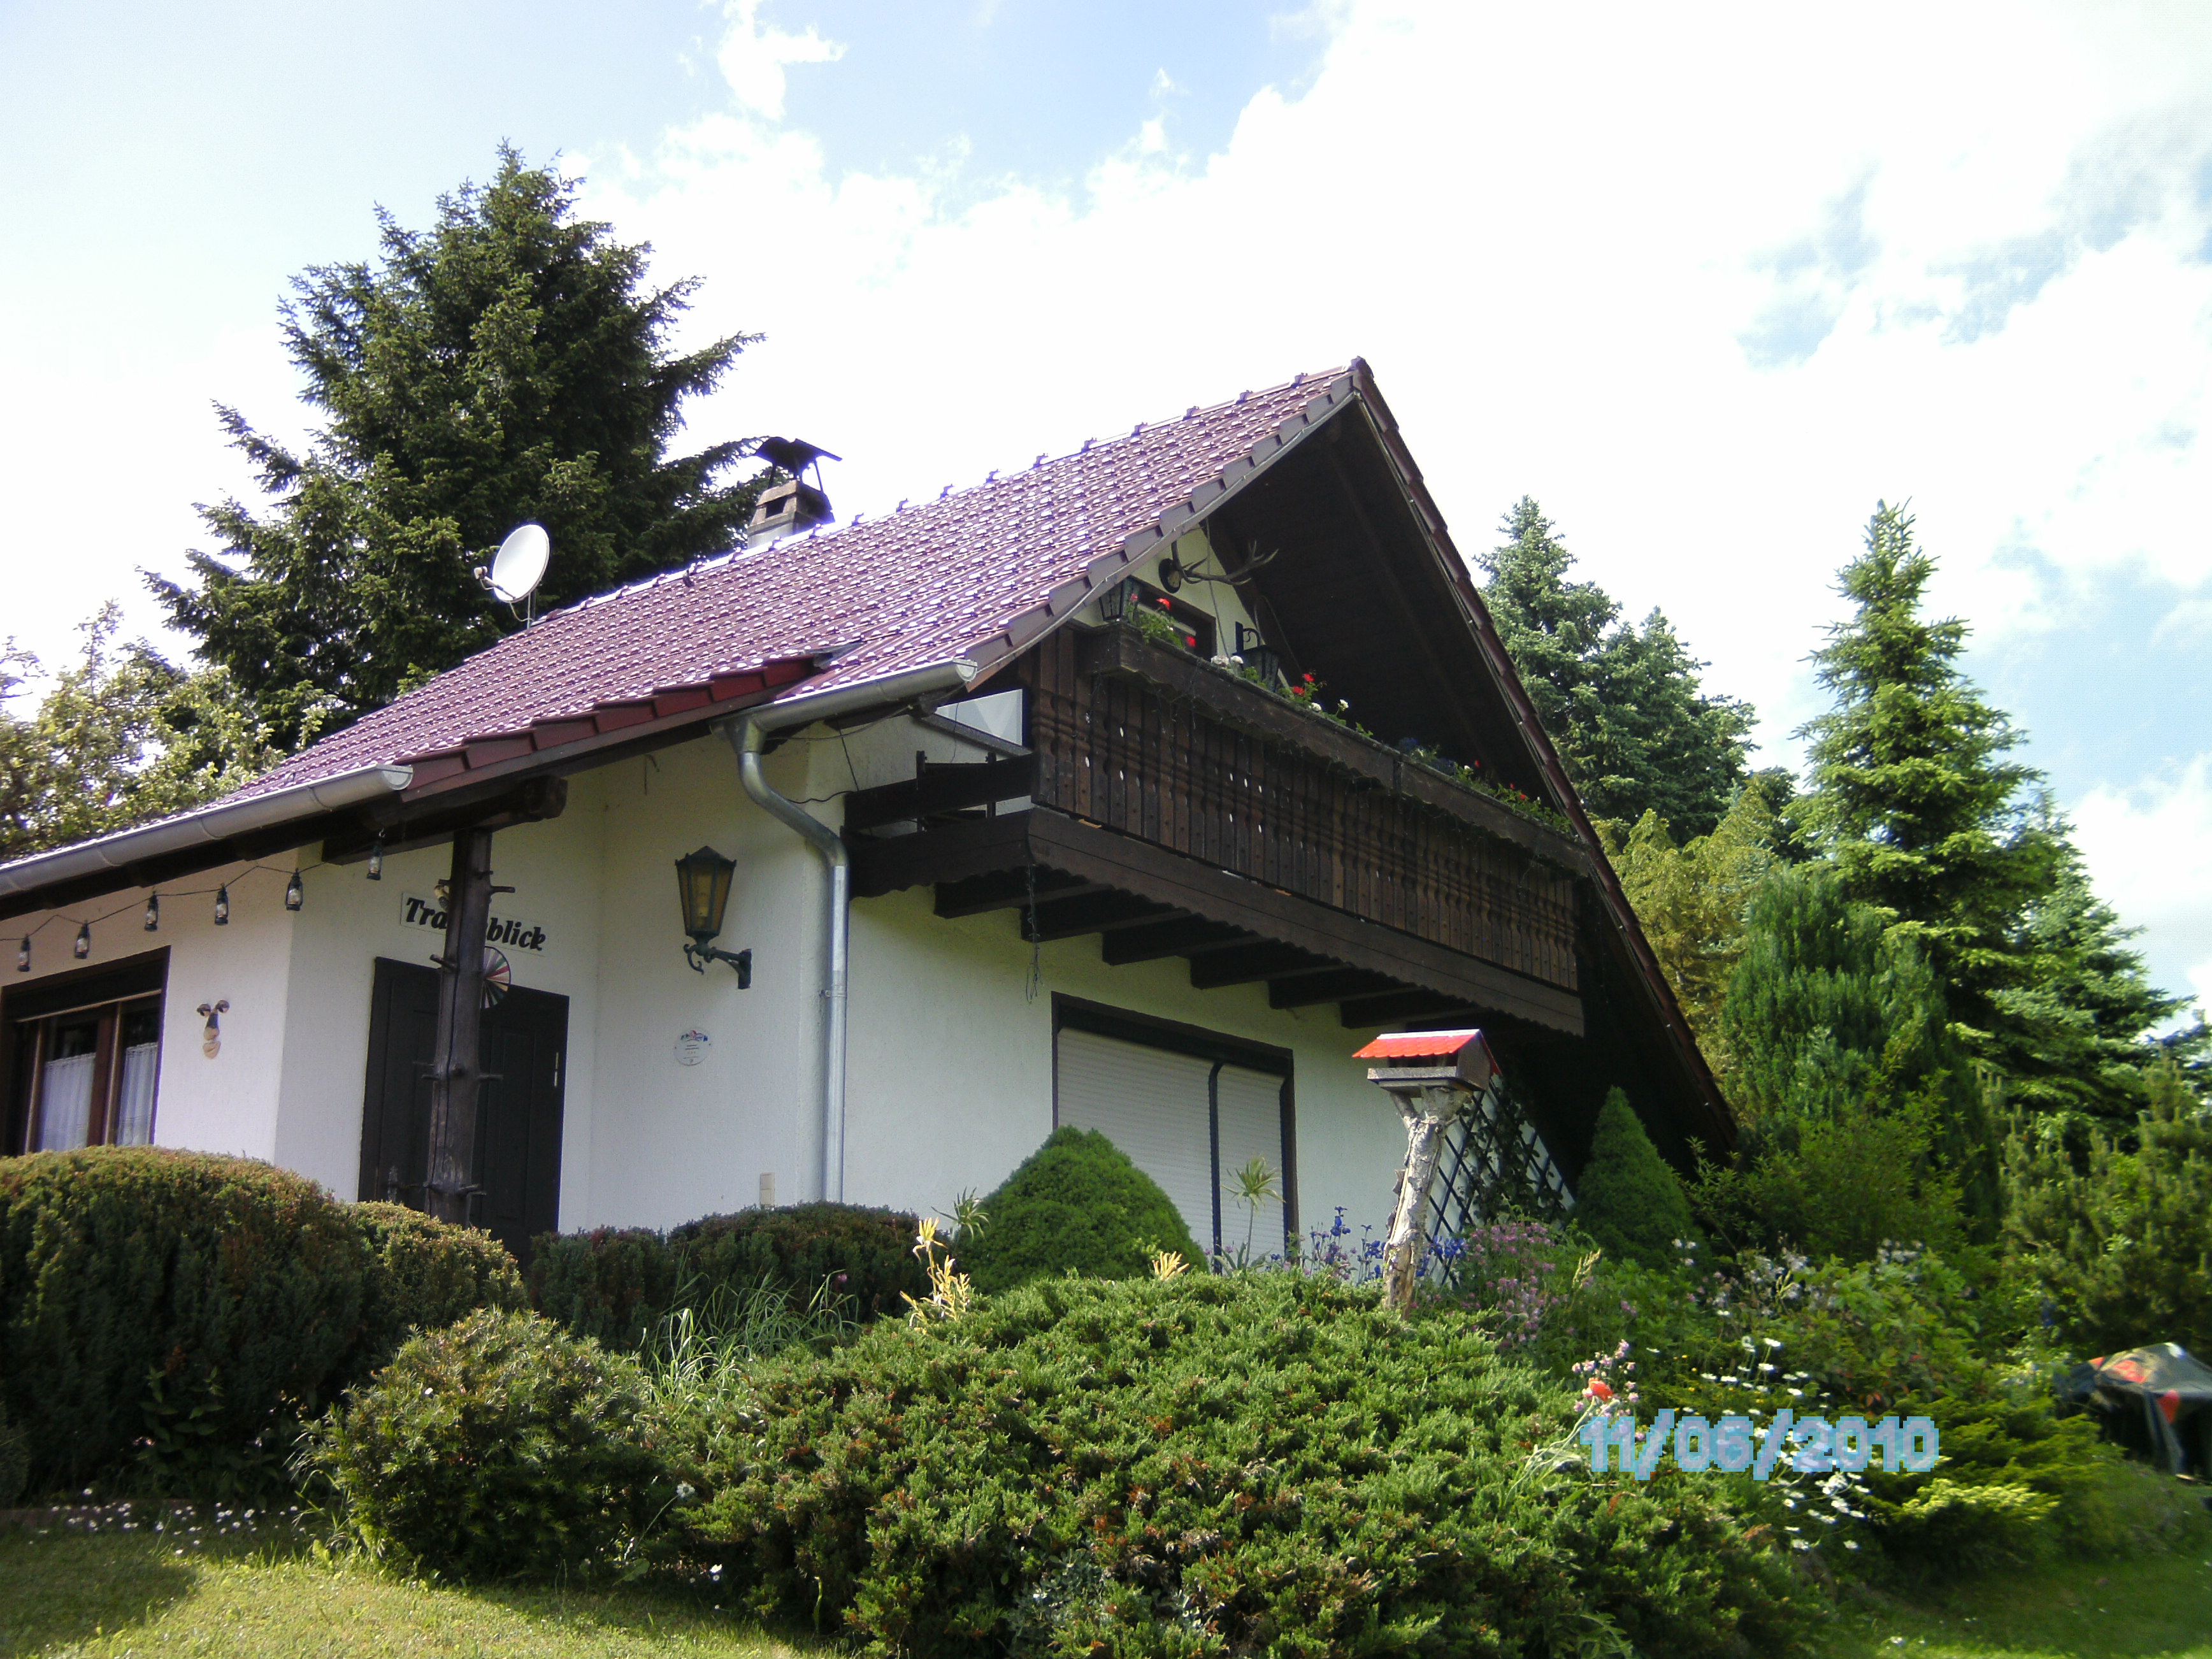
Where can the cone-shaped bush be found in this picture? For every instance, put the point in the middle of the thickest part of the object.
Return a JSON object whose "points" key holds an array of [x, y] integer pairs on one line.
{"points": [[1079, 1202], [1628, 1200]]}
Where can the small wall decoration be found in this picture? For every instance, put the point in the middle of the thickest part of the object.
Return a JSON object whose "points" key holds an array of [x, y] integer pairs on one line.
{"points": [[691, 1048], [211, 1033], [498, 977]]}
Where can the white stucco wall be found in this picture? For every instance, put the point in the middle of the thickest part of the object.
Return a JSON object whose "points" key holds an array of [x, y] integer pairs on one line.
{"points": [[951, 1062], [229, 1103], [950, 1058]]}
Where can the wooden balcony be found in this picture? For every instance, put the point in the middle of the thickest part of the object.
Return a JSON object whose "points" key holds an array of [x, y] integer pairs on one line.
{"points": [[1177, 809]]}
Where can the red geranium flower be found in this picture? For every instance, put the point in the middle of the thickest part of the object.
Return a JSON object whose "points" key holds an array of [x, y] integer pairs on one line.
{"points": [[1598, 1390]]}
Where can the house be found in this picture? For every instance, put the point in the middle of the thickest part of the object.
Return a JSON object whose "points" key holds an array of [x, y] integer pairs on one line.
{"points": [[1136, 788]]}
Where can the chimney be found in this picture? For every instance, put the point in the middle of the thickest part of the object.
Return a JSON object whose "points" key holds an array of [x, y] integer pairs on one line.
{"points": [[787, 508]]}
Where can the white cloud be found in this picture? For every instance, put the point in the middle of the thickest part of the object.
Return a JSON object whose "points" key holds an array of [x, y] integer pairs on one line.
{"points": [[1706, 284], [753, 57], [2147, 847]]}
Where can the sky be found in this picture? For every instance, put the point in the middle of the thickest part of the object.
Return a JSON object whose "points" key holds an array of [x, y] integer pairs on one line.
{"points": [[1709, 283]]}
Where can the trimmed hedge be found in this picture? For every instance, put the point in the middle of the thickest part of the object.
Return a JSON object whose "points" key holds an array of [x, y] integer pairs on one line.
{"points": [[615, 1284], [1255, 1463], [206, 1300], [423, 1274], [1076, 1204], [499, 1447], [239, 1284]]}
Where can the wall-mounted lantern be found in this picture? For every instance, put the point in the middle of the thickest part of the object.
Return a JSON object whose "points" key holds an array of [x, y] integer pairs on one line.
{"points": [[702, 887], [152, 913], [295, 892], [84, 941], [1431, 1075], [223, 906]]}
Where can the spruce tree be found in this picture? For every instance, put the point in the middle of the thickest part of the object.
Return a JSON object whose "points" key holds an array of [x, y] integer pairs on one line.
{"points": [[1831, 1015], [1622, 704], [2071, 1040], [1912, 794], [511, 364]]}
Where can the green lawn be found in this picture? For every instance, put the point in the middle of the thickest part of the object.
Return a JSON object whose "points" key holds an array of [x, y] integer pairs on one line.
{"points": [[118, 1595], [114, 1596], [2157, 1607]]}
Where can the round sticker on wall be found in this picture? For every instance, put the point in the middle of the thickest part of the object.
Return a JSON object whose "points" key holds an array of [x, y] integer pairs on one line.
{"points": [[691, 1048]]}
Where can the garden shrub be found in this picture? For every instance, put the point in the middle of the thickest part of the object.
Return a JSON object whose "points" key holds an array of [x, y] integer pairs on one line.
{"points": [[863, 1257], [616, 1285], [1628, 1200], [422, 1274], [2121, 1248], [1904, 1335], [1205, 1465], [1076, 1203], [238, 1286], [501, 1447], [611, 1284]]}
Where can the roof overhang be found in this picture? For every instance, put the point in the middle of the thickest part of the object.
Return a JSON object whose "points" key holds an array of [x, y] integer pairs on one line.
{"points": [[197, 839]]}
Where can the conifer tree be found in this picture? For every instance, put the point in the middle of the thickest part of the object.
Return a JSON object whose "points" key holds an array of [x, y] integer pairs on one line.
{"points": [[1912, 794], [2071, 1039], [1830, 1014], [1622, 704], [1628, 1201], [511, 364]]}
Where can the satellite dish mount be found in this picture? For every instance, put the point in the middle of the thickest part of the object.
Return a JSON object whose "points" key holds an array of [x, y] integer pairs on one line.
{"points": [[517, 567]]}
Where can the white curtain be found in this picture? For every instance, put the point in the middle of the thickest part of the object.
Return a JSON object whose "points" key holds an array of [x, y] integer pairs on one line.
{"points": [[65, 1103], [134, 1098]]}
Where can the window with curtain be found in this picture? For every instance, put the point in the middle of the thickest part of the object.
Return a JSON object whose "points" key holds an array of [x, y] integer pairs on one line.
{"points": [[84, 1075]]}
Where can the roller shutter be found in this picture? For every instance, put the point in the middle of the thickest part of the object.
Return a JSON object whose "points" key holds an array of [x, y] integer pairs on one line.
{"points": [[1154, 1104]]}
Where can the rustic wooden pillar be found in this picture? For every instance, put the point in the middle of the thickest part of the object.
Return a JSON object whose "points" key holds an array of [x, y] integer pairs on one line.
{"points": [[456, 1072], [1428, 1112]]}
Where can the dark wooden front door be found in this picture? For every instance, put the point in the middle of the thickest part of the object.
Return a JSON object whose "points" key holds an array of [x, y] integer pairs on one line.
{"points": [[526, 1037]]}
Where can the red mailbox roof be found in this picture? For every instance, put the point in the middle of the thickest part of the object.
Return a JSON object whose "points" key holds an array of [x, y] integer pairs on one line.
{"points": [[1419, 1045]]}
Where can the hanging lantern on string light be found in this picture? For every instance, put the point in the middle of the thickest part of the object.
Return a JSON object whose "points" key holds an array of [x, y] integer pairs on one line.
{"points": [[376, 858], [152, 912], [23, 955], [84, 941], [294, 894], [223, 906]]}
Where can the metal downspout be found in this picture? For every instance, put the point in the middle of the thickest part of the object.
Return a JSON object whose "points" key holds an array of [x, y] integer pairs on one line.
{"points": [[749, 737], [748, 740]]}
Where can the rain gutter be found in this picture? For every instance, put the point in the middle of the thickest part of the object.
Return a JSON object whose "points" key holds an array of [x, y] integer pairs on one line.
{"points": [[188, 831]]}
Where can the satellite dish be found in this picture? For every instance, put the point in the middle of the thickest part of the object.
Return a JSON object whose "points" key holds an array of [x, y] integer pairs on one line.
{"points": [[520, 565]]}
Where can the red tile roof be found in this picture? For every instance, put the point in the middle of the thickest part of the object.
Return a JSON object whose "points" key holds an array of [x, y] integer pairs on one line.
{"points": [[977, 572]]}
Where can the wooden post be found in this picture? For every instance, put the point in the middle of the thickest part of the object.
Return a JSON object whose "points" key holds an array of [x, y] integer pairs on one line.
{"points": [[1428, 1111], [456, 1072]]}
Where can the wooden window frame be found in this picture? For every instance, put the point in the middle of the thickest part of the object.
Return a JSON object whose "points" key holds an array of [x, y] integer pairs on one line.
{"points": [[110, 989]]}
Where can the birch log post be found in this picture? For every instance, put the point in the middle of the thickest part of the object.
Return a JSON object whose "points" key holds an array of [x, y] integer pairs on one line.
{"points": [[1427, 1111]]}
